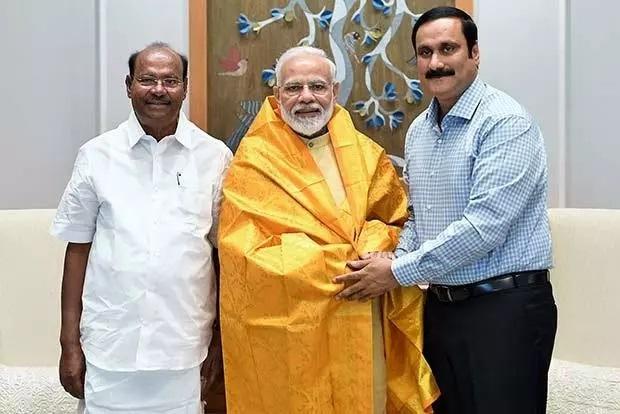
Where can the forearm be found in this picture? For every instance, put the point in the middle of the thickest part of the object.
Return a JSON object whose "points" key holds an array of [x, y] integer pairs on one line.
{"points": [[76, 259], [408, 240], [459, 244]]}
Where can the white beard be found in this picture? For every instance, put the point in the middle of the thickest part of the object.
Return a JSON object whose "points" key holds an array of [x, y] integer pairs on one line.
{"points": [[307, 125]]}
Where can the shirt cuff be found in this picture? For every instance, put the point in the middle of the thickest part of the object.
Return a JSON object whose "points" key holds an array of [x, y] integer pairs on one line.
{"points": [[405, 272], [399, 251]]}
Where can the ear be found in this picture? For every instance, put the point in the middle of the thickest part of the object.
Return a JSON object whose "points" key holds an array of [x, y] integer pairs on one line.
{"points": [[336, 90], [184, 88], [276, 93], [128, 86], [475, 54]]}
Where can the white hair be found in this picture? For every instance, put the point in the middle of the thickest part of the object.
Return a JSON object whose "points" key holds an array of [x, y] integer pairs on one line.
{"points": [[299, 51]]}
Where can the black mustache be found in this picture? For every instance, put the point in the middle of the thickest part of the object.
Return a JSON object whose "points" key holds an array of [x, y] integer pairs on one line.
{"points": [[433, 73]]}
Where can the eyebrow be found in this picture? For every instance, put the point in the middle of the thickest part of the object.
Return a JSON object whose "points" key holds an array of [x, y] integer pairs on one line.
{"points": [[298, 82], [442, 44]]}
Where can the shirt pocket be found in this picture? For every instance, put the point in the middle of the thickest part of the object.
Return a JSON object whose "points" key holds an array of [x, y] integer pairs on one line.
{"points": [[194, 206]]}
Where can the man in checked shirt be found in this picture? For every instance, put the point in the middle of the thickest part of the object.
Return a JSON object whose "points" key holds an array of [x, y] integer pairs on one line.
{"points": [[478, 232]]}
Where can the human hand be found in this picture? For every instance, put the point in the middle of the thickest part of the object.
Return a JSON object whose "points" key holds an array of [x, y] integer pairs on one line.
{"points": [[371, 278], [212, 370], [72, 369]]}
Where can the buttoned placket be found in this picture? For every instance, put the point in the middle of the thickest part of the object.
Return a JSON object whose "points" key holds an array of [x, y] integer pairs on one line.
{"points": [[435, 161], [158, 188]]}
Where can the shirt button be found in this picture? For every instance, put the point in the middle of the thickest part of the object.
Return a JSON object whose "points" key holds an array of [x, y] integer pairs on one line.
{"points": [[428, 206], [439, 141], [311, 144], [432, 173], [156, 188]]}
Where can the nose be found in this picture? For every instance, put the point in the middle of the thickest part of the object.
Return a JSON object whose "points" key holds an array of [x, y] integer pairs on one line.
{"points": [[306, 95], [158, 89], [435, 62]]}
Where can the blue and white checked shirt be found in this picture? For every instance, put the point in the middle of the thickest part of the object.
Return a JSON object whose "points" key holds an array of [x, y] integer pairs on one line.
{"points": [[477, 191]]}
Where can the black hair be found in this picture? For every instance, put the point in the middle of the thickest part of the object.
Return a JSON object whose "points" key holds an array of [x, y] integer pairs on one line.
{"points": [[156, 45], [470, 30]]}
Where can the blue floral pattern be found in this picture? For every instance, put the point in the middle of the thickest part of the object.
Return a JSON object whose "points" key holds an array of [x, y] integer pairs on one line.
{"points": [[379, 108]]}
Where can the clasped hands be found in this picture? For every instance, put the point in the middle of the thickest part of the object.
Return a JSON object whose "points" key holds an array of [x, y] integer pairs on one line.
{"points": [[371, 277]]}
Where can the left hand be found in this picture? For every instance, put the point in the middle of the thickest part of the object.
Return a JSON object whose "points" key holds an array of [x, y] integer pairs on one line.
{"points": [[212, 370], [371, 278]]}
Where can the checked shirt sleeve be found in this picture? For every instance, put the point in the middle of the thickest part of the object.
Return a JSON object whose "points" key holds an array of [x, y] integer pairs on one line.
{"points": [[408, 240]]}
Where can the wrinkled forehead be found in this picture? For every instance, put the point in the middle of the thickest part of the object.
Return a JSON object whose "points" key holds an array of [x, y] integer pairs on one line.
{"points": [[306, 69]]}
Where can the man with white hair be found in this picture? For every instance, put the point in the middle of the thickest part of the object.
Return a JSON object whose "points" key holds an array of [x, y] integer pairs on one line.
{"points": [[305, 193]]}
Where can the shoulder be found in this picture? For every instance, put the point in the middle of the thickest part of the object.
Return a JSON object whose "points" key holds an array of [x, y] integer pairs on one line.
{"points": [[497, 107], [419, 121], [258, 144], [207, 146], [502, 119], [105, 142], [368, 144], [418, 126]]}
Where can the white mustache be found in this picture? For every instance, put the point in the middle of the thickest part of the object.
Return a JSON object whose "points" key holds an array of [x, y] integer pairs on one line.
{"points": [[300, 107]]}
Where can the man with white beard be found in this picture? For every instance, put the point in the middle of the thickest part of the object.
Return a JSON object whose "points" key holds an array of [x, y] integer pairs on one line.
{"points": [[305, 193]]}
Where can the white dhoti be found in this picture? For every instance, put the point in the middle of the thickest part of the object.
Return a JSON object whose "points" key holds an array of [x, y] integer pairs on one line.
{"points": [[141, 392]]}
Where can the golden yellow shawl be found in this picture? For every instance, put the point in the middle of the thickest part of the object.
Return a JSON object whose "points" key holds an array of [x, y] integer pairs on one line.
{"points": [[289, 347]]}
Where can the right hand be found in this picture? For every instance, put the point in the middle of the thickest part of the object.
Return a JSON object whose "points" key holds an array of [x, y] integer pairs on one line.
{"points": [[72, 369]]}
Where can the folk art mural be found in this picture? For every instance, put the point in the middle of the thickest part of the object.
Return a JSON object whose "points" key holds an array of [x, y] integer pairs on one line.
{"points": [[369, 40]]}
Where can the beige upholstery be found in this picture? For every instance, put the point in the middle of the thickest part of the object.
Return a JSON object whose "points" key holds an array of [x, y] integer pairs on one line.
{"points": [[586, 282], [30, 274]]}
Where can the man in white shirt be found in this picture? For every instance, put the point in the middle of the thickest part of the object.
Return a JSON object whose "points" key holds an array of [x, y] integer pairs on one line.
{"points": [[139, 215]]}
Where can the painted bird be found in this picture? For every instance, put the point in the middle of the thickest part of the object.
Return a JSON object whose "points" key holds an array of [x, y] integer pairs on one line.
{"points": [[350, 43], [233, 64]]}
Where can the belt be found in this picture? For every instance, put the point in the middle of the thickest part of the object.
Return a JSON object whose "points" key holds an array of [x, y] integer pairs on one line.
{"points": [[446, 293]]}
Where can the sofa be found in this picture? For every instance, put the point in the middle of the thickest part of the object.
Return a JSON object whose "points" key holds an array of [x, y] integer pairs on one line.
{"points": [[585, 372], [584, 377], [30, 273]]}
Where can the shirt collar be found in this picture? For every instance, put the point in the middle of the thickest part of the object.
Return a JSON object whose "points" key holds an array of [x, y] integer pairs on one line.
{"points": [[317, 142], [465, 106], [182, 133]]}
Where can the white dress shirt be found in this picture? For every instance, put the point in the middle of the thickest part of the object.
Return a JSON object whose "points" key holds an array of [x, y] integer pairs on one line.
{"points": [[149, 208]]}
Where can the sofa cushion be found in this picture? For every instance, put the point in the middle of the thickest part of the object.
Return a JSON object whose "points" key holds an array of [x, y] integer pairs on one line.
{"points": [[585, 281], [31, 264], [28, 390], [583, 389]]}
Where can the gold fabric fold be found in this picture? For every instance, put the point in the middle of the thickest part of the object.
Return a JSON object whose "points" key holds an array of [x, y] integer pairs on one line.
{"points": [[289, 347]]}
